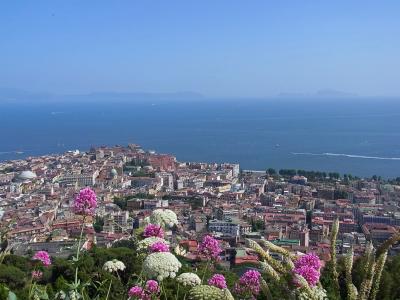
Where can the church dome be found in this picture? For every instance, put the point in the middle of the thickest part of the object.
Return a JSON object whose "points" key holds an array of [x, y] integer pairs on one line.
{"points": [[113, 173], [26, 175]]}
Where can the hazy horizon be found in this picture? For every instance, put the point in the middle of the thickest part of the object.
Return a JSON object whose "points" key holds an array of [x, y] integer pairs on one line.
{"points": [[219, 49], [10, 95]]}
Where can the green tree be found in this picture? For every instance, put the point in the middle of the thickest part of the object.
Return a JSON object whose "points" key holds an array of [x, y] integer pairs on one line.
{"points": [[13, 277], [98, 224]]}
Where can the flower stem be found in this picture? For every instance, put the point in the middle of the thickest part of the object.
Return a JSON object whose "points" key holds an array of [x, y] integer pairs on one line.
{"points": [[78, 250], [109, 288], [31, 289], [205, 271], [177, 292], [163, 288]]}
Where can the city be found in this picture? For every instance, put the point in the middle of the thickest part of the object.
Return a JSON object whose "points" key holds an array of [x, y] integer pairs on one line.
{"points": [[291, 211]]}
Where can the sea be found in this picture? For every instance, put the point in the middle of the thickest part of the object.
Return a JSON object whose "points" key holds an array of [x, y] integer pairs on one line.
{"points": [[352, 136]]}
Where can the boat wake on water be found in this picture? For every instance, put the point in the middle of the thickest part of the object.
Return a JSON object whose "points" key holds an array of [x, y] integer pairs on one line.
{"points": [[345, 155]]}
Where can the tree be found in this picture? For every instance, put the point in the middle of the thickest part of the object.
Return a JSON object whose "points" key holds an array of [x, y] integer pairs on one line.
{"points": [[13, 277], [271, 171], [98, 224]]}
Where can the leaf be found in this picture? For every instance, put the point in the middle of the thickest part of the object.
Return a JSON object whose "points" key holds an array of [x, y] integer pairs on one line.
{"points": [[11, 296]]}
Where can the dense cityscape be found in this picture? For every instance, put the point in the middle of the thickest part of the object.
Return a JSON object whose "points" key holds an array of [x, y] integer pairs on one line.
{"points": [[289, 211]]}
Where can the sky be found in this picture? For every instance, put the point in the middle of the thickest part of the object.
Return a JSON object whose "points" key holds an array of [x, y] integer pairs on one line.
{"points": [[217, 48]]}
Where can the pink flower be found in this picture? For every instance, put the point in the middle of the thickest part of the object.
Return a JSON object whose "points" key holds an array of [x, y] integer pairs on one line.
{"points": [[310, 274], [218, 281], [85, 203], [249, 284], [136, 291], [153, 230], [310, 260], [158, 247], [210, 248], [44, 257], [152, 287], [36, 275]]}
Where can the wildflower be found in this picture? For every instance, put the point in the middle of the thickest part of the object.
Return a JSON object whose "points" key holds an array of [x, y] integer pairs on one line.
{"points": [[136, 291], [201, 292], [114, 266], [36, 275], [74, 295], [152, 287], [218, 281], [249, 283], [180, 251], [210, 248], [85, 203], [158, 247], [310, 274], [161, 265], [188, 279], [310, 260], [147, 242], [153, 230], [164, 217], [44, 257]]}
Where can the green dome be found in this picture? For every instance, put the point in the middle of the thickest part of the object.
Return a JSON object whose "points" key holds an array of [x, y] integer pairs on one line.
{"points": [[113, 173]]}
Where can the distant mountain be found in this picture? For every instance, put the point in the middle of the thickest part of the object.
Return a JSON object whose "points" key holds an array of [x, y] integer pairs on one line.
{"points": [[324, 93], [334, 93], [16, 95]]}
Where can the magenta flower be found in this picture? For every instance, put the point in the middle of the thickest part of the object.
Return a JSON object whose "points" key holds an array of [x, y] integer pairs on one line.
{"points": [[210, 248], [249, 284], [85, 203], [152, 287], [44, 257], [310, 260], [218, 281], [36, 275], [310, 274], [158, 247], [136, 291], [153, 230]]}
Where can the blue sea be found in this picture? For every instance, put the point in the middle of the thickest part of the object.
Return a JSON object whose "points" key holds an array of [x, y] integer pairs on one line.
{"points": [[357, 136]]}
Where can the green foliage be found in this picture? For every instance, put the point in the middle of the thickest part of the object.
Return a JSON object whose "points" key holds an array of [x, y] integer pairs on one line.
{"points": [[329, 283], [257, 225], [271, 171], [13, 277], [19, 262], [131, 244], [98, 224], [3, 291], [389, 289], [122, 201], [287, 172], [340, 194]]}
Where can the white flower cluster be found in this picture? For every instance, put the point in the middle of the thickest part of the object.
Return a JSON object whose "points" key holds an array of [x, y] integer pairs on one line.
{"points": [[164, 217], [188, 279], [143, 245], [114, 266], [161, 265], [315, 293], [207, 292], [180, 251]]}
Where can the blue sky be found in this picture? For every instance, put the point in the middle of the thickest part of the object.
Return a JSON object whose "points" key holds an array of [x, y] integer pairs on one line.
{"points": [[218, 48]]}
